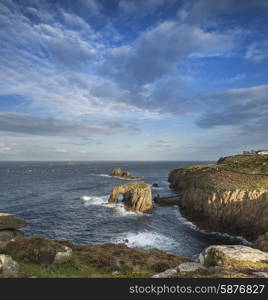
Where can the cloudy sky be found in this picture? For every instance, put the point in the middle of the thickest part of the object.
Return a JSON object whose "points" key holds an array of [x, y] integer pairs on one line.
{"points": [[132, 79]]}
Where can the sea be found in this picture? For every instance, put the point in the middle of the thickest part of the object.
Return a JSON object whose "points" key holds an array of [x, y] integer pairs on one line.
{"points": [[68, 201]]}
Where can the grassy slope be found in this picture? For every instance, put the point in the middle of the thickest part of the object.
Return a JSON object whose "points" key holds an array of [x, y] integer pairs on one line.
{"points": [[246, 172], [105, 260]]}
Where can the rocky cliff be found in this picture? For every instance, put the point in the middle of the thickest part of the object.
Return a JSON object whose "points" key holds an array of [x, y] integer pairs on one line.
{"points": [[230, 196]]}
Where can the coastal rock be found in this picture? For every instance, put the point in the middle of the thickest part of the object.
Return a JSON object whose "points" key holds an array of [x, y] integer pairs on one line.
{"points": [[137, 196], [190, 267], [7, 235], [63, 256], [118, 172], [262, 242], [7, 265], [231, 254], [8, 221]]}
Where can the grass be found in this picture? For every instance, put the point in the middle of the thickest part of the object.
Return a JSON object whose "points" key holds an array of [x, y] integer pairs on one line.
{"points": [[245, 172], [140, 185], [102, 260]]}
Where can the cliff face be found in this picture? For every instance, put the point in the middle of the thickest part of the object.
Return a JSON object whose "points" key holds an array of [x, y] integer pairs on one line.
{"points": [[219, 199]]}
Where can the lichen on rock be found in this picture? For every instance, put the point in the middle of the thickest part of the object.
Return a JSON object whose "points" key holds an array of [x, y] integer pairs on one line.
{"points": [[137, 196]]}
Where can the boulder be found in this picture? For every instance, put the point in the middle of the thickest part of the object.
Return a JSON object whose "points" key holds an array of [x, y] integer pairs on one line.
{"points": [[8, 221], [7, 265], [63, 256], [231, 254], [137, 196], [262, 242]]}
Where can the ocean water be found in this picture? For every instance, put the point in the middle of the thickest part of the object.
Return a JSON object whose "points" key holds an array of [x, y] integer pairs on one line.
{"points": [[66, 201]]}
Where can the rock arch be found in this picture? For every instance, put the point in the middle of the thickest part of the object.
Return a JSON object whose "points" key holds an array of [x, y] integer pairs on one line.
{"points": [[137, 196]]}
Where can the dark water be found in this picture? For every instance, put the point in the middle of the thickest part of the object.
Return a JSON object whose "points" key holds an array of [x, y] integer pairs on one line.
{"points": [[65, 200]]}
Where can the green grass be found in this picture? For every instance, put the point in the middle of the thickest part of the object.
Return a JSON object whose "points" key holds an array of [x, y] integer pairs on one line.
{"points": [[244, 172]]}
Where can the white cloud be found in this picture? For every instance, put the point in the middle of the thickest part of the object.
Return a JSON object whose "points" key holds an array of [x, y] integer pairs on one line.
{"points": [[257, 52], [4, 148]]}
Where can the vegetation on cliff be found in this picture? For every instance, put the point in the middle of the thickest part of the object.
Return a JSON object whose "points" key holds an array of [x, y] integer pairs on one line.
{"points": [[35, 257]]}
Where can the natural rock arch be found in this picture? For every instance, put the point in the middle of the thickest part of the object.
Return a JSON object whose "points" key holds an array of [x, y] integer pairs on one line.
{"points": [[137, 196]]}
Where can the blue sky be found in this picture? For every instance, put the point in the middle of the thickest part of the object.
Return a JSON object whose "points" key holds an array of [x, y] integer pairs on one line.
{"points": [[132, 79]]}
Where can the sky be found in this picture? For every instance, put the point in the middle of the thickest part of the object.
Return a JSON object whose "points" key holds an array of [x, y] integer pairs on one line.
{"points": [[132, 79]]}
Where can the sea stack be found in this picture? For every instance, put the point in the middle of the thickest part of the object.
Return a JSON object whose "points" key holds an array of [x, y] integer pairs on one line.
{"points": [[118, 172], [137, 196]]}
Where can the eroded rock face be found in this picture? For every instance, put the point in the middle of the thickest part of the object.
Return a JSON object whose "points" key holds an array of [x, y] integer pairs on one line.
{"points": [[7, 265], [8, 221], [137, 196], [229, 254], [262, 242]]}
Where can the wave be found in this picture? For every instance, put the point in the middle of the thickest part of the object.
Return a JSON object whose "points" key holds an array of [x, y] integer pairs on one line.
{"points": [[117, 177], [147, 240], [188, 223], [94, 200], [118, 208]]}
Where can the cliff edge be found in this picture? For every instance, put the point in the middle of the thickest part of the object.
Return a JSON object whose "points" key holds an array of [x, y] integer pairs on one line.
{"points": [[230, 196]]}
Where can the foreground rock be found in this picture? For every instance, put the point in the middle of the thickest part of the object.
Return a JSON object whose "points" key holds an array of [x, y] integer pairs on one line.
{"points": [[118, 172], [226, 197], [232, 254], [235, 261], [8, 221], [137, 196], [7, 265], [262, 242]]}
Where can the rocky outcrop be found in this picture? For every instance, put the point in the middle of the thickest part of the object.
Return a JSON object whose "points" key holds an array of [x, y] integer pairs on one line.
{"points": [[217, 198], [262, 242], [9, 225], [8, 221], [118, 172], [137, 196], [233, 255]]}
